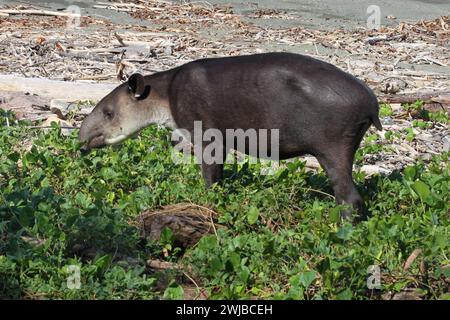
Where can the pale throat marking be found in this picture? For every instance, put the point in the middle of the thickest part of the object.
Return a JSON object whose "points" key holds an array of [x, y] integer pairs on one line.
{"points": [[161, 115], [115, 140]]}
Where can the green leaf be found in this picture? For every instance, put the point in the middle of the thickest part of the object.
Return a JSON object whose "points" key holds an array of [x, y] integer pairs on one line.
{"points": [[253, 215], [26, 218], [421, 189], [344, 295], [167, 236], [103, 262], [410, 172], [335, 214], [345, 232], [216, 264], [306, 278], [207, 243], [235, 260], [82, 200], [244, 274], [15, 156], [174, 292], [295, 293], [445, 296]]}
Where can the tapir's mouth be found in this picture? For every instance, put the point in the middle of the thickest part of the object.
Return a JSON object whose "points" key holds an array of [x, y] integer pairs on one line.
{"points": [[96, 142]]}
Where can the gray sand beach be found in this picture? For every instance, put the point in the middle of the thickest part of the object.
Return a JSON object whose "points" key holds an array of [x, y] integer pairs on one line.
{"points": [[315, 14]]}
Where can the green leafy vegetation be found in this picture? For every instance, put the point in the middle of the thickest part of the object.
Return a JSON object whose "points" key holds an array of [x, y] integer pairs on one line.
{"points": [[386, 110], [281, 238], [419, 111]]}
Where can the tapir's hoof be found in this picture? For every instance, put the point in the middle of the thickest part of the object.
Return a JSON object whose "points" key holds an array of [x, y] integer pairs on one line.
{"points": [[352, 215], [84, 149], [348, 214]]}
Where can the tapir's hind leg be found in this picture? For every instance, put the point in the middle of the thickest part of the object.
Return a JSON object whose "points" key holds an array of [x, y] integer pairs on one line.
{"points": [[337, 162]]}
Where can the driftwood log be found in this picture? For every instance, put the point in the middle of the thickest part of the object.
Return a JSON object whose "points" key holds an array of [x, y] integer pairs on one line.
{"points": [[442, 98], [188, 222], [54, 89], [38, 13]]}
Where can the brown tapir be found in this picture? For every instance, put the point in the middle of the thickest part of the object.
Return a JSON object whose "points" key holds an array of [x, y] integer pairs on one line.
{"points": [[317, 108]]}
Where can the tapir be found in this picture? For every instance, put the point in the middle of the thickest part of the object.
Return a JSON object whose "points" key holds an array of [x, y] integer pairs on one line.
{"points": [[318, 109]]}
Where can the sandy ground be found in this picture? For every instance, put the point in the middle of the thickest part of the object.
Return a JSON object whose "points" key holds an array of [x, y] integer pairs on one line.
{"points": [[316, 14]]}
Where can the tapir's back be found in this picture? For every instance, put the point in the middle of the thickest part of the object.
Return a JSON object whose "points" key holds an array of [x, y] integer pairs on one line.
{"points": [[275, 90]]}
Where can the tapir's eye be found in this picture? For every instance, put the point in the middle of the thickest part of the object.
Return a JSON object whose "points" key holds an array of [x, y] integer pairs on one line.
{"points": [[109, 114]]}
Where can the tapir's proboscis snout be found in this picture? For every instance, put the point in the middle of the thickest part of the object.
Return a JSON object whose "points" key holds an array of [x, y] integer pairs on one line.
{"points": [[317, 108]]}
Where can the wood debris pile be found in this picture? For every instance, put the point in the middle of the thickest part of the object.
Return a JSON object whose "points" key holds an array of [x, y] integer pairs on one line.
{"points": [[197, 14], [188, 222], [392, 60]]}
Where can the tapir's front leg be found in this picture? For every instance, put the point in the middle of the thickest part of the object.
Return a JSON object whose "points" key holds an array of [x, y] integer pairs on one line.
{"points": [[212, 173], [212, 159]]}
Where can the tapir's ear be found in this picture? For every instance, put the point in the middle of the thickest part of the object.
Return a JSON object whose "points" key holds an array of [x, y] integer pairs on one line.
{"points": [[136, 84]]}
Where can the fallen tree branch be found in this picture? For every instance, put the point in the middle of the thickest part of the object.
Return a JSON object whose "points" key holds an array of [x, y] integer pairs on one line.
{"points": [[120, 39], [39, 13], [125, 5], [50, 127], [98, 77], [162, 265], [411, 259], [436, 97], [374, 40], [69, 90]]}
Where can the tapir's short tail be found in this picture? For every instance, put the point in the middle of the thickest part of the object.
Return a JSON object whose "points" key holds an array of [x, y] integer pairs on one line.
{"points": [[376, 122], [373, 108]]}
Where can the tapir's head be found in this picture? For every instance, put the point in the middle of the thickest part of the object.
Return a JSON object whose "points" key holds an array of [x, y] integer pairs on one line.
{"points": [[127, 109]]}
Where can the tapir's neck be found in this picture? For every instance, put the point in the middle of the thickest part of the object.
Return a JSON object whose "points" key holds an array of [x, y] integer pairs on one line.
{"points": [[161, 81], [160, 111]]}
